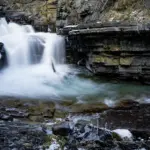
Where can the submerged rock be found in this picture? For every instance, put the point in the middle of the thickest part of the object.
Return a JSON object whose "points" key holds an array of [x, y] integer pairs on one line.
{"points": [[3, 59]]}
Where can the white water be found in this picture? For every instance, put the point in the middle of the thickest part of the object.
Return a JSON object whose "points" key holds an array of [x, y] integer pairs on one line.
{"points": [[30, 56], [30, 73], [20, 40]]}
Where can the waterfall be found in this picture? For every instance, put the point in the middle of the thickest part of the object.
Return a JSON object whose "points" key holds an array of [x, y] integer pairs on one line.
{"points": [[33, 59], [36, 65], [36, 69], [24, 46]]}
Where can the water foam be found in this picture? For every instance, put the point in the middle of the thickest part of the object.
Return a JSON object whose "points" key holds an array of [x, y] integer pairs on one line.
{"points": [[36, 69], [32, 58]]}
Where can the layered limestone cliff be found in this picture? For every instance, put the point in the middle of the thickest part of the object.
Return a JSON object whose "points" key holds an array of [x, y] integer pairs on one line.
{"points": [[118, 50], [109, 37]]}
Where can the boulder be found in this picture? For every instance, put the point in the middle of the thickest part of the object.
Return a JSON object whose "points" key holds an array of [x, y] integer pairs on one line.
{"points": [[89, 137], [62, 129]]}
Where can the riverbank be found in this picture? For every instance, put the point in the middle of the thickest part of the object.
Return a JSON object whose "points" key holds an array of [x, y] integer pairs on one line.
{"points": [[41, 124], [46, 104]]}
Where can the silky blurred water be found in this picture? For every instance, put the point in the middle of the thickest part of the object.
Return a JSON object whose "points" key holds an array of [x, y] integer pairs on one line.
{"points": [[32, 59]]}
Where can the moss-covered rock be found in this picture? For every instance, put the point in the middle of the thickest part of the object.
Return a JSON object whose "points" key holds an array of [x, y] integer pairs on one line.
{"points": [[126, 61], [107, 60], [88, 107], [32, 110], [126, 103]]}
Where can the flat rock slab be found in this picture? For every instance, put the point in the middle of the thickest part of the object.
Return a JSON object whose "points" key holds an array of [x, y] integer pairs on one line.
{"points": [[136, 117]]}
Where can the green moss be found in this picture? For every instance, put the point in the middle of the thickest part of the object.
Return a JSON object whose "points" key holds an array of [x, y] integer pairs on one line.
{"points": [[60, 114], [98, 59], [40, 107], [88, 108], [112, 61], [126, 61], [116, 136], [112, 47], [107, 60]]}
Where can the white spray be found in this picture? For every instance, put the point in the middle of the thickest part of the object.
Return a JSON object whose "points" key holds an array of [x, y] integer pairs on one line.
{"points": [[32, 58]]}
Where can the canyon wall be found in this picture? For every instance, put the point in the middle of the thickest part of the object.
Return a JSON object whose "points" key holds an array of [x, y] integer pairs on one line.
{"points": [[41, 12], [86, 11], [109, 37]]}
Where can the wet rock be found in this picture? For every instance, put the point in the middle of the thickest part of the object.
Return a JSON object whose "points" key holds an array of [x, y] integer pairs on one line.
{"points": [[8, 114], [133, 145], [89, 137], [37, 118], [6, 117], [17, 135], [123, 55], [141, 134], [36, 111], [44, 109], [3, 57], [62, 129], [60, 113], [18, 17], [1, 46], [77, 134], [89, 133], [88, 107], [124, 104], [16, 113], [135, 117]]}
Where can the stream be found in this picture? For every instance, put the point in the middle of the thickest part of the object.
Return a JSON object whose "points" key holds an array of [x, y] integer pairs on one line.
{"points": [[36, 79]]}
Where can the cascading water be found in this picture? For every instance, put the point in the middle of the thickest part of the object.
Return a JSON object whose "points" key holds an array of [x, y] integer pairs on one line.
{"points": [[20, 41], [32, 58], [36, 69]]}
